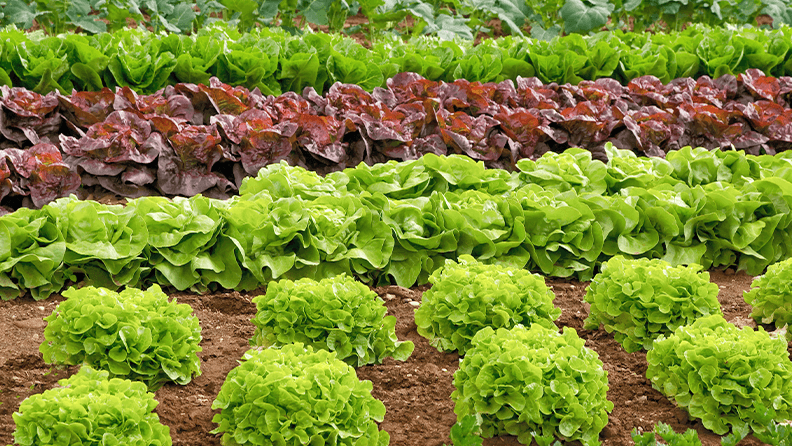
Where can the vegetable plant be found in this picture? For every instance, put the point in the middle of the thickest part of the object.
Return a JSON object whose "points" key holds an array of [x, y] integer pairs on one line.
{"points": [[468, 296], [133, 334], [689, 438], [771, 295], [295, 395], [725, 376], [91, 408], [336, 314], [534, 383], [640, 299]]}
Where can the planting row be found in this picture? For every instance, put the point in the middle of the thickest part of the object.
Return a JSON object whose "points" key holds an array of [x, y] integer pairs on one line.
{"points": [[277, 62], [444, 18], [398, 222], [518, 375], [191, 139]]}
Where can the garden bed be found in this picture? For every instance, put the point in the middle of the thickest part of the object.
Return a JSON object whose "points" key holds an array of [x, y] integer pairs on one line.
{"points": [[416, 393]]}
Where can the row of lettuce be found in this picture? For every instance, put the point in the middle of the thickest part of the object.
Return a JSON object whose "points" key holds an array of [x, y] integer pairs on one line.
{"points": [[444, 18], [275, 61], [518, 375], [398, 222], [199, 138]]}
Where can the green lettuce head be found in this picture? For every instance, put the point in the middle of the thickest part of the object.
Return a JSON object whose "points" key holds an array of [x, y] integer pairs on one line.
{"points": [[336, 314], [468, 296], [89, 408], [133, 334], [727, 377], [296, 396], [771, 295], [640, 299], [533, 383]]}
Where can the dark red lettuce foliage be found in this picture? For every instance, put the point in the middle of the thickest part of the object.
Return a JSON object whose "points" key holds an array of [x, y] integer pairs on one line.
{"points": [[188, 139]]}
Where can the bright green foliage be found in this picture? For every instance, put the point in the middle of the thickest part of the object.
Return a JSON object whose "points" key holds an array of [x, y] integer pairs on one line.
{"points": [[640, 299], [723, 375], [689, 438], [293, 238], [771, 295], [533, 383], [573, 169], [468, 296], [186, 247], [89, 408], [336, 314], [133, 334], [31, 254], [103, 242], [296, 396]]}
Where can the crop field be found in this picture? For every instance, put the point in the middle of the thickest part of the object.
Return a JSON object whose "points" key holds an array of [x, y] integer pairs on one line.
{"points": [[396, 222], [416, 392]]}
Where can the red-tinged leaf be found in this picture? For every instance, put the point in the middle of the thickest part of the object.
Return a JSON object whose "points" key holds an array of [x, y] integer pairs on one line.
{"points": [[174, 177], [590, 123], [86, 108], [123, 136], [761, 114], [153, 105], [322, 137], [286, 107], [46, 176], [199, 146], [166, 126], [647, 90], [468, 135], [710, 122], [523, 128], [28, 104], [757, 83], [533, 94], [348, 97], [781, 128], [652, 129]]}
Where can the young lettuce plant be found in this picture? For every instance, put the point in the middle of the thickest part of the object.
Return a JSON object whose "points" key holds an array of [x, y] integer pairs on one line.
{"points": [[640, 299], [771, 295], [336, 314], [133, 334], [533, 383], [725, 376], [295, 396], [468, 296], [90, 408]]}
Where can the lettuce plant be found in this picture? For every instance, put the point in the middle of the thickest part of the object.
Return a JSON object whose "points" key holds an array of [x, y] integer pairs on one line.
{"points": [[133, 334], [295, 396], [336, 314], [90, 408], [771, 295], [640, 299], [468, 296], [534, 383], [725, 376], [689, 438]]}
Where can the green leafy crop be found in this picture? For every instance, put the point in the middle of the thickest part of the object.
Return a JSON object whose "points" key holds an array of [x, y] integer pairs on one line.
{"points": [[533, 383], [640, 299], [296, 396], [336, 314], [725, 376], [468, 296], [133, 334], [689, 438], [771, 295], [89, 408]]}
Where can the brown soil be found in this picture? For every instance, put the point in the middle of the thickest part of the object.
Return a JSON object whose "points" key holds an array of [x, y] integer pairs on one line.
{"points": [[416, 392]]}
